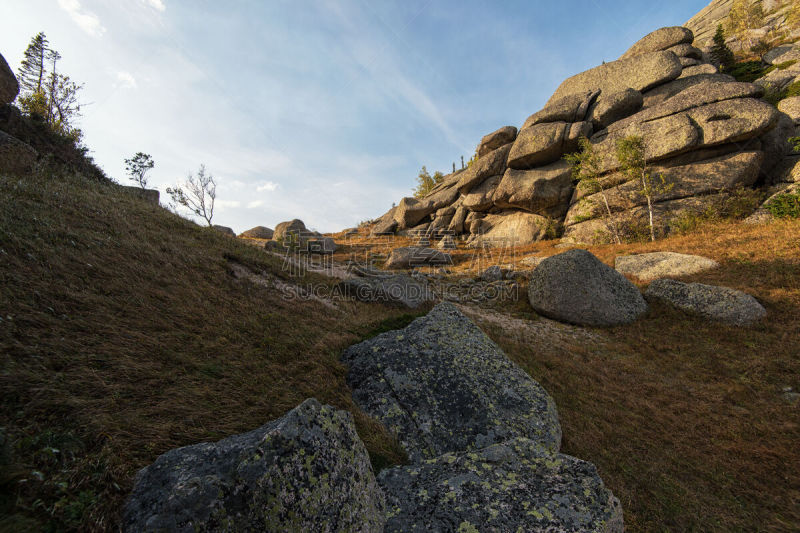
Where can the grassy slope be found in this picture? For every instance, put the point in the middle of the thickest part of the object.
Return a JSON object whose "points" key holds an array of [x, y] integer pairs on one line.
{"points": [[157, 345], [124, 334]]}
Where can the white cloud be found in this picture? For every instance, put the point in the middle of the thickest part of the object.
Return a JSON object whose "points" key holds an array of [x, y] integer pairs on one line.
{"points": [[86, 20], [224, 204], [125, 80], [158, 5], [254, 204], [268, 186]]}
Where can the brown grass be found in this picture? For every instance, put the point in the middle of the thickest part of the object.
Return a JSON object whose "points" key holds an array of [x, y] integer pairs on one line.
{"points": [[124, 333]]}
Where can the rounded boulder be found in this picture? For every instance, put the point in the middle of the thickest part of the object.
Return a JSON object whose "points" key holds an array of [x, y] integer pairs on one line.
{"points": [[578, 288]]}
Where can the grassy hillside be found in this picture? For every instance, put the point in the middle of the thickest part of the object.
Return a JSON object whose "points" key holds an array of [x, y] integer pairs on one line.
{"points": [[125, 331]]}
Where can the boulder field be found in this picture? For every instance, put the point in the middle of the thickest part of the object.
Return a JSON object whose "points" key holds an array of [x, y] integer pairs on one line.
{"points": [[706, 133]]}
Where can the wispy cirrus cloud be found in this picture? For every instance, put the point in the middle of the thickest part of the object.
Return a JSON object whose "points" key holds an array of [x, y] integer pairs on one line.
{"points": [[85, 19], [158, 5]]}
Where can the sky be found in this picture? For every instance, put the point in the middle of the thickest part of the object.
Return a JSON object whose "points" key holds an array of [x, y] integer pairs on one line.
{"points": [[321, 110]]}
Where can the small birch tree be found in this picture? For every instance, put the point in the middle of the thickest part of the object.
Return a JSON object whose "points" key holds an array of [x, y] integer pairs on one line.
{"points": [[197, 194], [586, 171]]}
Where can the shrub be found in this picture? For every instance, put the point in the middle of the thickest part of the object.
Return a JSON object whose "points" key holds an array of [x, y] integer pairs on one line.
{"points": [[785, 206], [749, 71]]}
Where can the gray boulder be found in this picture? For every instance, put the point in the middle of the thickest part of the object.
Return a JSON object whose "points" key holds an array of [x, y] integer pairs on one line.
{"points": [[545, 143], [385, 225], [441, 385], [320, 246], [457, 223], [657, 265], [479, 198], [661, 39], [410, 211], [493, 273], [578, 288], [307, 471], [416, 256], [686, 50], [293, 231], [571, 108], [9, 87], [259, 232], [225, 230], [696, 70], [717, 303], [791, 106], [392, 289], [15, 156], [641, 72], [662, 93], [508, 228], [495, 140], [545, 190], [614, 107], [512, 486]]}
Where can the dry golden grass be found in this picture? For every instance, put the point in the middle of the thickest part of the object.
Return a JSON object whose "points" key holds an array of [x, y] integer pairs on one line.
{"points": [[124, 333]]}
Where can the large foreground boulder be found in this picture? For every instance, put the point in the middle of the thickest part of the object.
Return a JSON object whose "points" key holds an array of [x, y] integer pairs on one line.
{"points": [[441, 385], [578, 288], [395, 289], [508, 228], [717, 303], [307, 471], [657, 265], [292, 231], [513, 486], [9, 87]]}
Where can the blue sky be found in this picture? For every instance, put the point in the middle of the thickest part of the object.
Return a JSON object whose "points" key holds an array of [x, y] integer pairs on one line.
{"points": [[322, 110]]}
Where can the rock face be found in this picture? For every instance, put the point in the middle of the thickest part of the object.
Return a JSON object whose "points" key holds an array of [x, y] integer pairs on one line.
{"points": [[443, 386], [512, 486], [307, 471], [577, 288], [259, 232], [657, 265], [9, 88], [416, 256], [291, 231], [15, 155], [398, 289], [148, 195], [693, 120], [717, 303]]}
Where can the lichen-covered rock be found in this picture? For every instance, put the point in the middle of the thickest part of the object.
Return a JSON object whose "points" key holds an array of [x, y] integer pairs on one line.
{"points": [[655, 265], [687, 51], [491, 164], [416, 256], [395, 289], [441, 385], [641, 72], [9, 87], [696, 70], [307, 471], [479, 198], [571, 108], [496, 139], [259, 232], [661, 39], [710, 301], [662, 93], [385, 225], [513, 486], [578, 288], [508, 228], [791, 106]]}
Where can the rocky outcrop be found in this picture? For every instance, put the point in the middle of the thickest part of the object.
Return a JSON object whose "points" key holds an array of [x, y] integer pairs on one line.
{"points": [[307, 471], [704, 24], [717, 303], [225, 230], [15, 156], [577, 288], [9, 87], [656, 265], [703, 131], [259, 232], [416, 256], [292, 230], [151, 196]]}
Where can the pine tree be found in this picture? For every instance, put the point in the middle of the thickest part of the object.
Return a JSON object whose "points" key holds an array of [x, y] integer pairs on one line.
{"points": [[32, 72], [720, 52]]}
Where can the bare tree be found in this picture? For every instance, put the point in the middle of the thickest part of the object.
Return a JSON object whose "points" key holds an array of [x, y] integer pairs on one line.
{"points": [[197, 194]]}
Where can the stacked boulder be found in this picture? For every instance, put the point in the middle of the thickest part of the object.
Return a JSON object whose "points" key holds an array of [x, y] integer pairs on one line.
{"points": [[704, 132], [15, 155]]}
